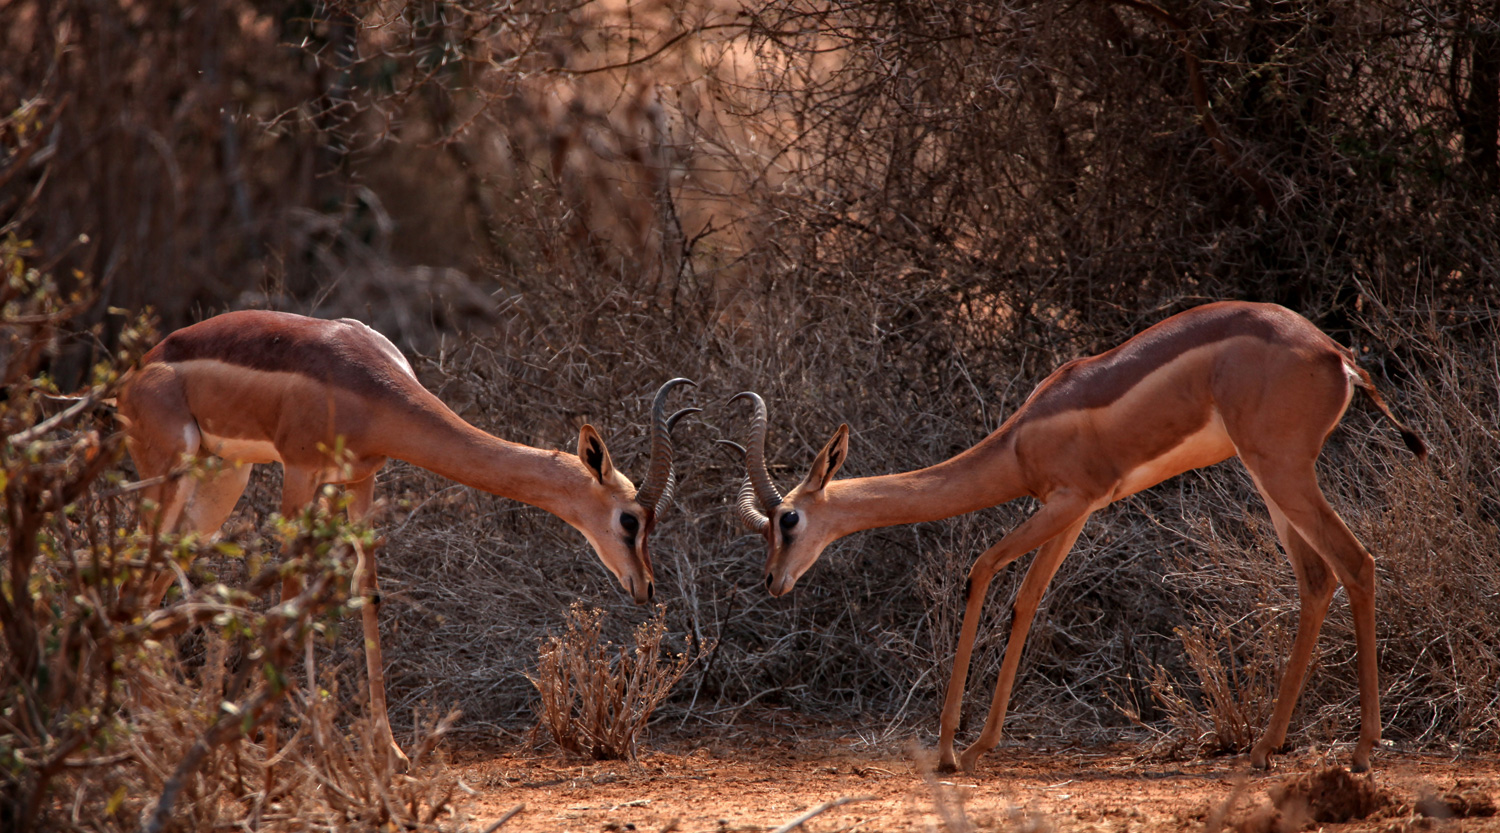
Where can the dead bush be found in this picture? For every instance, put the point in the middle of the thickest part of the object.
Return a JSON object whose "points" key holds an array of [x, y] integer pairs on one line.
{"points": [[596, 698], [1235, 690]]}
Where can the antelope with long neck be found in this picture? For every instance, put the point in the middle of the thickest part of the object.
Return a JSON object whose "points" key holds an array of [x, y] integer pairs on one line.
{"points": [[1253, 380], [332, 401]]}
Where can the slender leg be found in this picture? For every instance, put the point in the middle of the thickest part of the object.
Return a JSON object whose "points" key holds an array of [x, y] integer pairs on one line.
{"points": [[1315, 585], [200, 503], [214, 497], [299, 487], [369, 587], [1049, 521], [1294, 488], [361, 498], [1028, 599]]}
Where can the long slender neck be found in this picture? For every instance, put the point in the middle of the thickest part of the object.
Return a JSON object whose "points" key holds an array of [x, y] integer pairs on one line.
{"points": [[986, 475], [441, 442]]}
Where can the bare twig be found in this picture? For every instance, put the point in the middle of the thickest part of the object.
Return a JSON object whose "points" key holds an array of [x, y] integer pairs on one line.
{"points": [[509, 814], [819, 810]]}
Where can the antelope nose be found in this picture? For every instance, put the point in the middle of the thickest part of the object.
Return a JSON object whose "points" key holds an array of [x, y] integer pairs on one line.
{"points": [[650, 590], [770, 580]]}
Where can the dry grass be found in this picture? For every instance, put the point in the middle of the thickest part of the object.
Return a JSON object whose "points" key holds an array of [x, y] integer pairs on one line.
{"points": [[596, 698], [1235, 695]]}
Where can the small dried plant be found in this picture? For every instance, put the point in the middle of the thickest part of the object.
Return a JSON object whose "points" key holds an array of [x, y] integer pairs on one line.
{"points": [[1237, 690], [596, 696]]}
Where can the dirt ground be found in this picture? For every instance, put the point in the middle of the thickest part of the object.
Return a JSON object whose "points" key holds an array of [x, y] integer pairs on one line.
{"points": [[740, 785]]}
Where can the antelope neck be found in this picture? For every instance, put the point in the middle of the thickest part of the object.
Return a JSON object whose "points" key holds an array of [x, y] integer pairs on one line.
{"points": [[983, 476]]}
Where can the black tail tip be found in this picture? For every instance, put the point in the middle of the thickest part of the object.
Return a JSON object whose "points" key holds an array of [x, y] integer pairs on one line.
{"points": [[1414, 443]]}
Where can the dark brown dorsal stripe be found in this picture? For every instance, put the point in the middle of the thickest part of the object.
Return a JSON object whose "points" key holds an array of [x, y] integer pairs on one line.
{"points": [[1099, 381], [281, 342]]}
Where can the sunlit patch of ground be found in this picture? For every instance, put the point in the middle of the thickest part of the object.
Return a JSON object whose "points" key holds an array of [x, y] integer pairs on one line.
{"points": [[759, 784]]}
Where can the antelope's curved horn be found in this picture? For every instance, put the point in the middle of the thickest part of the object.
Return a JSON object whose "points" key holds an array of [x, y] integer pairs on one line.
{"points": [[670, 490], [750, 516], [656, 491], [755, 455], [672, 420]]}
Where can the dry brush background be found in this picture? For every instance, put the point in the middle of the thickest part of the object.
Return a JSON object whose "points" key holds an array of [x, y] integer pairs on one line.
{"points": [[897, 215]]}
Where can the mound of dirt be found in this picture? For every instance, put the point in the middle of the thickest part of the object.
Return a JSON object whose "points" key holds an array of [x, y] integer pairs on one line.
{"points": [[1328, 796], [1466, 801]]}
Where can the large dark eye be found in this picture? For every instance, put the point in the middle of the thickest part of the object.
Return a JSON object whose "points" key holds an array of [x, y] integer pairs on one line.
{"points": [[629, 523], [789, 521]]}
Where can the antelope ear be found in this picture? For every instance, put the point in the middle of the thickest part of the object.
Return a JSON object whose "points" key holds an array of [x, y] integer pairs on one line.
{"points": [[828, 461], [594, 455]]}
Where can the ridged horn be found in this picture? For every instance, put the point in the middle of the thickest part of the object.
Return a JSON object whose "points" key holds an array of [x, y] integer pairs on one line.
{"points": [[755, 456], [671, 488], [750, 516], [656, 492]]}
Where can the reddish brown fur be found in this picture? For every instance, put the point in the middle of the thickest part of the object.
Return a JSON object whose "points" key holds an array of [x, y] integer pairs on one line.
{"points": [[281, 342], [1098, 381]]}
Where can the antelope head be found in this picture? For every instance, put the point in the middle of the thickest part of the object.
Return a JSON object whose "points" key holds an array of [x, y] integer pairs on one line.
{"points": [[620, 522], [798, 525]]}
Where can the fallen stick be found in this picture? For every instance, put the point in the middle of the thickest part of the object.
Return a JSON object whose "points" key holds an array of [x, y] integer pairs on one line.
{"points": [[819, 810], [505, 818]]}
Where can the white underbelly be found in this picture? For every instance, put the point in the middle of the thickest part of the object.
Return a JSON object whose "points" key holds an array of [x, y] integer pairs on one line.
{"points": [[234, 450], [1206, 446]]}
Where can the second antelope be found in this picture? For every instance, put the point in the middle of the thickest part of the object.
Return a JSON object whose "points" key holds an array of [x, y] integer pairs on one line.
{"points": [[260, 387], [1220, 380]]}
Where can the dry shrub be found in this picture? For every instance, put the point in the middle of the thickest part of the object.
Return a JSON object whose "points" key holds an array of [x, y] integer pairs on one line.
{"points": [[1236, 690], [319, 776], [596, 698]]}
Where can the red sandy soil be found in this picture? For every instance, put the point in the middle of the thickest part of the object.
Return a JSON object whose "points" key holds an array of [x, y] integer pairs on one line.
{"points": [[744, 785]]}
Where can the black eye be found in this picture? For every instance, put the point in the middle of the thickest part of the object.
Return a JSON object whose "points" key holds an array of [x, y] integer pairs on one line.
{"points": [[629, 523], [789, 521]]}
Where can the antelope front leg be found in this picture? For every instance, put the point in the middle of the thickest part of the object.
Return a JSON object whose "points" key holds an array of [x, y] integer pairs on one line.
{"points": [[1028, 599], [369, 588], [1049, 521]]}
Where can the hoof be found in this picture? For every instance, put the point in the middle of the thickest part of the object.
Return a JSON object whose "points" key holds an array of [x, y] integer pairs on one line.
{"points": [[947, 765], [1260, 759], [396, 760]]}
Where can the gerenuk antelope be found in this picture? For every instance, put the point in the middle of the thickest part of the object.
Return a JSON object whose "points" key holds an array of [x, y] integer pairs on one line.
{"points": [[260, 387], [1220, 380]]}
